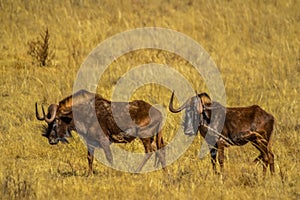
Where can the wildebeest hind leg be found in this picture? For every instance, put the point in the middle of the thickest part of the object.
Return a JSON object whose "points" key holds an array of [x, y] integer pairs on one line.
{"points": [[271, 161], [261, 145], [160, 158], [258, 158], [148, 150], [251, 136], [160, 154]]}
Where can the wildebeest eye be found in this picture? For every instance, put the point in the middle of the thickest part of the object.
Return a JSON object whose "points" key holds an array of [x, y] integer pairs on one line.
{"points": [[66, 119]]}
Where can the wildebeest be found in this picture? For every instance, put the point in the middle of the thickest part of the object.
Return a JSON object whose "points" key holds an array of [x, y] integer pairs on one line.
{"points": [[102, 122], [224, 126]]}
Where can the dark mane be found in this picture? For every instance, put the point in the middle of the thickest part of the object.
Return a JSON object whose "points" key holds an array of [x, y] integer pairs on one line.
{"points": [[77, 98]]}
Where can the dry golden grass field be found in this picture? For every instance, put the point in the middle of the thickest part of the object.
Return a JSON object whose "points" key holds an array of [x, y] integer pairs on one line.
{"points": [[255, 44]]}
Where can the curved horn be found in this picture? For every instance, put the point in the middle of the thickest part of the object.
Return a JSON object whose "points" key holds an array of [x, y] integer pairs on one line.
{"points": [[172, 109], [37, 113], [200, 104], [52, 110]]}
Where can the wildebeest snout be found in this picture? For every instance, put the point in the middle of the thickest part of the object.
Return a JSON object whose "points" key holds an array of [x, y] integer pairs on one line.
{"points": [[191, 123]]}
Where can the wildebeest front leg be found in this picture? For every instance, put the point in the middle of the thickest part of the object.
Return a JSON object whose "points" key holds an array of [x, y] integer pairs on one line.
{"points": [[104, 143], [221, 146], [213, 154], [90, 158]]}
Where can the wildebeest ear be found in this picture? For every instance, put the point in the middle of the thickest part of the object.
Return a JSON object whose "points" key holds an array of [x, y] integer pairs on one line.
{"points": [[205, 99], [65, 111]]}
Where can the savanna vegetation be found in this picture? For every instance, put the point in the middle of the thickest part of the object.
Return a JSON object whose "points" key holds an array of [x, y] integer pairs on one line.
{"points": [[255, 44]]}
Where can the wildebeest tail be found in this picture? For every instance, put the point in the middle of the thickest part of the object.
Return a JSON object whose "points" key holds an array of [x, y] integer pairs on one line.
{"points": [[270, 129]]}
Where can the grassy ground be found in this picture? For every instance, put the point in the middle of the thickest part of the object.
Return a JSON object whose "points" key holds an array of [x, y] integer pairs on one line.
{"points": [[255, 44]]}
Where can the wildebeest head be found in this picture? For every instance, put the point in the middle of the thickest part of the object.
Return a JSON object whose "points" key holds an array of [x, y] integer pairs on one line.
{"points": [[194, 111], [58, 126]]}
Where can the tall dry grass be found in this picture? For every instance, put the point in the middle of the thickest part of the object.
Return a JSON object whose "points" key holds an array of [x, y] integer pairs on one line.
{"points": [[255, 44]]}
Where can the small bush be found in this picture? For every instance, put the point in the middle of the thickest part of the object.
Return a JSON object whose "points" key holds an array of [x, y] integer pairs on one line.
{"points": [[40, 51]]}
